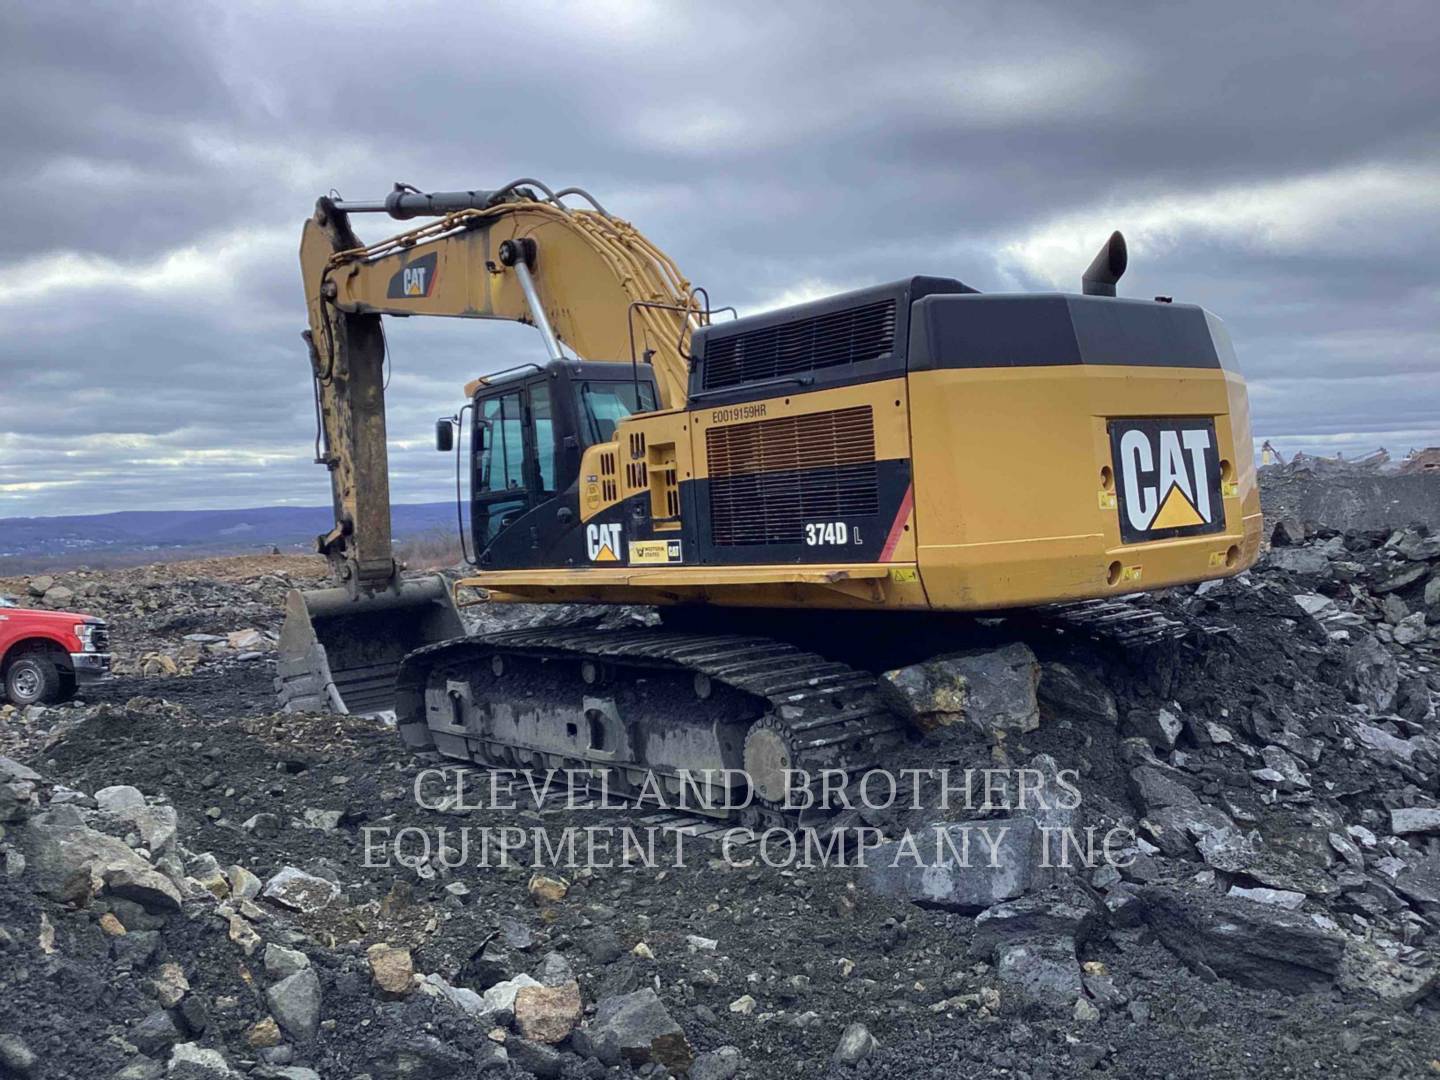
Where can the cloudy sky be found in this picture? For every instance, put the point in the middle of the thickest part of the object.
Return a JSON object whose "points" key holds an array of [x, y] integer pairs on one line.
{"points": [[1279, 164]]}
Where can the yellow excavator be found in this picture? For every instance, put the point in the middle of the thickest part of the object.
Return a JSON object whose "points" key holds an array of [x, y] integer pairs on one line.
{"points": [[873, 458]]}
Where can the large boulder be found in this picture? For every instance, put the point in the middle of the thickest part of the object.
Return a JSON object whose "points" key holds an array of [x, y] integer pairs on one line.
{"points": [[195, 1062], [281, 963], [1306, 562], [1174, 817], [1160, 727], [391, 968], [462, 998], [964, 866], [421, 1056], [155, 1033], [1044, 970], [149, 888], [70, 861], [295, 1002], [500, 998], [1419, 880], [58, 597], [640, 1030], [17, 800], [1076, 693], [1385, 745], [993, 690], [157, 826], [10, 769], [1259, 945], [295, 889], [1058, 912], [1415, 819], [1374, 677], [1366, 969], [118, 798], [855, 1045], [547, 1014]]}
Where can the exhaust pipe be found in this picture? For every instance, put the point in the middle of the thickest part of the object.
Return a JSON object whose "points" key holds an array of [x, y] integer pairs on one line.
{"points": [[1106, 269]]}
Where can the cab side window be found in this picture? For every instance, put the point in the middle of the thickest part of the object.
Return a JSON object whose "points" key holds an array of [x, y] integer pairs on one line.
{"points": [[502, 461], [544, 425], [604, 404]]}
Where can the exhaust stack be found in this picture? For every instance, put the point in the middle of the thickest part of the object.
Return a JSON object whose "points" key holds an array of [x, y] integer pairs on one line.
{"points": [[1106, 269]]}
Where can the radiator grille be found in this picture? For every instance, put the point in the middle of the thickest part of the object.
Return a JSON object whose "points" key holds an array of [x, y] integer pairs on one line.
{"points": [[841, 337], [769, 478]]}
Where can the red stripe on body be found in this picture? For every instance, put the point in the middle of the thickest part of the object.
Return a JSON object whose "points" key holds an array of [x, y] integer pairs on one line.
{"points": [[907, 504]]}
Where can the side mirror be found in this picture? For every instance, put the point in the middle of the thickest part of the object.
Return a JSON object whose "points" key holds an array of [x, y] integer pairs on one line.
{"points": [[445, 434]]}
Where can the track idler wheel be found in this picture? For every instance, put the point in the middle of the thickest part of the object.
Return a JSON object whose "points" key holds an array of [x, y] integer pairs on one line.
{"points": [[768, 754]]}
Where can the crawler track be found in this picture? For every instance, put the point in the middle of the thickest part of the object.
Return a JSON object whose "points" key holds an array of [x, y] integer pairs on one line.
{"points": [[760, 707]]}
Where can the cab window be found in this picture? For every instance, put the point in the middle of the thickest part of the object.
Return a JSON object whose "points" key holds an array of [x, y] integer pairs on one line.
{"points": [[604, 404], [502, 462], [544, 423]]}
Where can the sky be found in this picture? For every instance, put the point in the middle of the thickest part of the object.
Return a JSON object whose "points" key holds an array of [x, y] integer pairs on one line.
{"points": [[1278, 164]]}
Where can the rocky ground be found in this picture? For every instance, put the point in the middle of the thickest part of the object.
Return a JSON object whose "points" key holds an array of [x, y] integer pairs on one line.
{"points": [[170, 618], [185, 887]]}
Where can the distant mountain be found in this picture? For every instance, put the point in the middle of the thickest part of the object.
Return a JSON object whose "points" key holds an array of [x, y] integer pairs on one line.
{"points": [[287, 527]]}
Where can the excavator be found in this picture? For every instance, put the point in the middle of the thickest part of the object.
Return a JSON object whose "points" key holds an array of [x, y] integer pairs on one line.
{"points": [[868, 461]]}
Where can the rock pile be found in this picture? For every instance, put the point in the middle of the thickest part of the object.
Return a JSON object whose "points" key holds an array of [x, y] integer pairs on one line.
{"points": [[186, 887], [207, 971], [169, 620], [1279, 782], [1371, 493]]}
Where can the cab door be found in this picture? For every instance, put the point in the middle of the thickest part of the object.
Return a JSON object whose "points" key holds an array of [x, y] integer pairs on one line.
{"points": [[501, 493], [516, 512]]}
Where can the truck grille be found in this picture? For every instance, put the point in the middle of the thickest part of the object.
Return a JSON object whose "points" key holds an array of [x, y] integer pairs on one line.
{"points": [[841, 337], [100, 637], [768, 478]]}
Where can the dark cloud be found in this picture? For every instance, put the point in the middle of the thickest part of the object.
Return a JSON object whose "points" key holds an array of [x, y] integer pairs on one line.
{"points": [[1278, 165]]}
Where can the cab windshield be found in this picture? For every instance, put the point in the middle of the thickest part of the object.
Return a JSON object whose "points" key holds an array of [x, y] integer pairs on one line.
{"points": [[605, 404]]}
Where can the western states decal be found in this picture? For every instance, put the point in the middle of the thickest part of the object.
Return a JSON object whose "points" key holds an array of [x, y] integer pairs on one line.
{"points": [[655, 552]]}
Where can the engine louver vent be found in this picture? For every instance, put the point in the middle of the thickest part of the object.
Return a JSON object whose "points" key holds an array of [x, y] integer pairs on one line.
{"points": [[841, 337], [767, 479]]}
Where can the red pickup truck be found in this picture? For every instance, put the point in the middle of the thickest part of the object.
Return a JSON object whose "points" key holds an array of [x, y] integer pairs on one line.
{"points": [[45, 655]]}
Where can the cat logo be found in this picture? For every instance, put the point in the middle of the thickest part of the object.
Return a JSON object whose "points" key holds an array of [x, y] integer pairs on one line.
{"points": [[414, 280], [1167, 478], [602, 542]]}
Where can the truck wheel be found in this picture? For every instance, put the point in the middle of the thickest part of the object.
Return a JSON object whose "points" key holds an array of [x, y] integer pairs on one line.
{"points": [[33, 680]]}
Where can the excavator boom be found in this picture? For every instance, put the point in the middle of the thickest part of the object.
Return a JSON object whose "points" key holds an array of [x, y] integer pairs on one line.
{"points": [[621, 300]]}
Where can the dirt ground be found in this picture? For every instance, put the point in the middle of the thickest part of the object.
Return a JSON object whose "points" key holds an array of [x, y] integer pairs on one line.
{"points": [[812, 949]]}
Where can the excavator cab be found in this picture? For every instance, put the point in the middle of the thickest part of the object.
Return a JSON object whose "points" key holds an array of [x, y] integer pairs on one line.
{"points": [[528, 431]]}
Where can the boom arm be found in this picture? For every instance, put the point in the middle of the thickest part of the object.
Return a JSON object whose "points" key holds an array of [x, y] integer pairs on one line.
{"points": [[604, 291]]}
